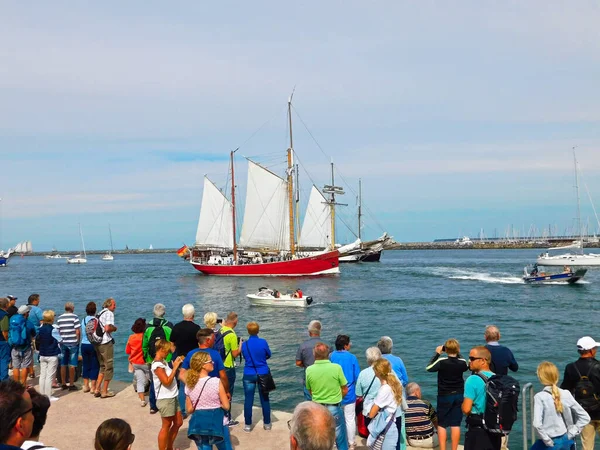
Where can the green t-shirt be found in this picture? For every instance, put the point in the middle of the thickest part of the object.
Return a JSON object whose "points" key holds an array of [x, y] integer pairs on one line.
{"points": [[230, 342], [325, 380], [475, 390], [4, 325]]}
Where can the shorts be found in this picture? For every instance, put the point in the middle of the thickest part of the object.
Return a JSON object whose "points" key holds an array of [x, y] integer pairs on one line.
{"points": [[449, 410], [168, 407], [21, 359], [69, 355]]}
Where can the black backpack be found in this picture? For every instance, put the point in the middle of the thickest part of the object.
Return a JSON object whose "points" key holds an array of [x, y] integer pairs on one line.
{"points": [[585, 392], [219, 344], [163, 331], [501, 403]]}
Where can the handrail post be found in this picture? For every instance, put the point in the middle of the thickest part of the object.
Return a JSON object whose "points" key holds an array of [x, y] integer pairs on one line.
{"points": [[527, 389]]}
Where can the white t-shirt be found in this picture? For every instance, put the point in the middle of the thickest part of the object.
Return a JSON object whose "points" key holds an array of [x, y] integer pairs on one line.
{"points": [[28, 444], [107, 318], [385, 399], [160, 389]]}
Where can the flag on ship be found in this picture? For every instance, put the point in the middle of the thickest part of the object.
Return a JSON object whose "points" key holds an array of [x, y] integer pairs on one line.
{"points": [[183, 251]]}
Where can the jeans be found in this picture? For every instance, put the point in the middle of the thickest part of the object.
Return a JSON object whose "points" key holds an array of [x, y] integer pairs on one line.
{"points": [[225, 444], [307, 395], [4, 360], [182, 399], [152, 395], [48, 366], [230, 372], [69, 355], [90, 366], [250, 382], [341, 441]]}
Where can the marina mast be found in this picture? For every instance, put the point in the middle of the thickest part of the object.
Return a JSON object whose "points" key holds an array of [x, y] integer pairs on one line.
{"points": [[359, 205], [235, 256], [332, 190], [290, 181]]}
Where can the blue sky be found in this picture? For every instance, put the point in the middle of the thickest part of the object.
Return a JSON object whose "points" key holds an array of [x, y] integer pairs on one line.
{"points": [[456, 116]]}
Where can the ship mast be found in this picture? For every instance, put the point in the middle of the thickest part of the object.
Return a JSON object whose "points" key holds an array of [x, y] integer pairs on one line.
{"points": [[359, 205], [290, 181], [578, 202], [235, 256], [332, 190]]}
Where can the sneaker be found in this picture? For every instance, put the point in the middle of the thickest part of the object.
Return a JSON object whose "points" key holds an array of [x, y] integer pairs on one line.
{"points": [[143, 403], [64, 387], [268, 427], [73, 388], [233, 423], [54, 399], [247, 428], [153, 411]]}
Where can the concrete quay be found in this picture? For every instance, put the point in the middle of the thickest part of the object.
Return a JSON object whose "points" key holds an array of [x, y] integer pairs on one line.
{"points": [[72, 423]]}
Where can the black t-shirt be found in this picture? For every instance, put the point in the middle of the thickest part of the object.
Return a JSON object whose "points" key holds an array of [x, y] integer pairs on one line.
{"points": [[450, 371], [12, 310], [587, 367], [183, 336]]}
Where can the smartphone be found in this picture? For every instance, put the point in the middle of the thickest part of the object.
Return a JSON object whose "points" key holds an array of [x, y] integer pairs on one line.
{"points": [[443, 348]]}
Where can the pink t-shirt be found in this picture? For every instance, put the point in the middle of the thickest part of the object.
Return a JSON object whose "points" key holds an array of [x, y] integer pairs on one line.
{"points": [[210, 395]]}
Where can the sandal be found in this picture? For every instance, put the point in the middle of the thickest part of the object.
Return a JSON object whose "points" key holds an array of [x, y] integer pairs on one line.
{"points": [[108, 394], [86, 389], [97, 394]]}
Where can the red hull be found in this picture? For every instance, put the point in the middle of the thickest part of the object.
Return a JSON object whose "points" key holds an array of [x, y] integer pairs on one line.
{"points": [[324, 264]]}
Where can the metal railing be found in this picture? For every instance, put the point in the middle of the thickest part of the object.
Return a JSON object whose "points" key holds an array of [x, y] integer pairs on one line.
{"points": [[527, 389]]}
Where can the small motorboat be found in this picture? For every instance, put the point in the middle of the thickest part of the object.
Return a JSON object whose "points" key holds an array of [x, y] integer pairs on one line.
{"points": [[567, 276], [272, 297]]}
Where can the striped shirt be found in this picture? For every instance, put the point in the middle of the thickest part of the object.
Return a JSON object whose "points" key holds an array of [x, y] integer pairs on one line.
{"points": [[67, 324], [419, 418]]}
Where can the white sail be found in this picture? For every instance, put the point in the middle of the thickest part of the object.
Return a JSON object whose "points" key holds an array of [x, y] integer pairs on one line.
{"points": [[29, 247], [266, 220], [316, 227], [215, 225]]}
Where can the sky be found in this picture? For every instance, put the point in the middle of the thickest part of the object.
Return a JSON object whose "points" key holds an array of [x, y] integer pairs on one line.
{"points": [[457, 116]]}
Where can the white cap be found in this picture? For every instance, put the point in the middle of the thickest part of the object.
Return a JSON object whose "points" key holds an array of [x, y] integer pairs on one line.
{"points": [[23, 309], [587, 343]]}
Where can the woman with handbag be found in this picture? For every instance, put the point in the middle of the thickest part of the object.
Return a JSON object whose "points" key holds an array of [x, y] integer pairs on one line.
{"points": [[206, 401], [557, 417], [383, 432], [256, 351]]}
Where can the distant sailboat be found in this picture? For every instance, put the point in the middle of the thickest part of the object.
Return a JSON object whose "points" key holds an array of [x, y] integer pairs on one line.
{"points": [[108, 256], [77, 259]]}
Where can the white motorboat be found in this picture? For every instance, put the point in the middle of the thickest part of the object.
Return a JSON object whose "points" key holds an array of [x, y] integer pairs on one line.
{"points": [[78, 259], [272, 297]]}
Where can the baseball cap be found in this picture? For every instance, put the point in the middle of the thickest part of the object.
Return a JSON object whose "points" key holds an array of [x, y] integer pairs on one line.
{"points": [[587, 343], [11, 297], [24, 309]]}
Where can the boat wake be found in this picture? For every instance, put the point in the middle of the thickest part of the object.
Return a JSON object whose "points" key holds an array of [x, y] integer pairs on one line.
{"points": [[484, 277]]}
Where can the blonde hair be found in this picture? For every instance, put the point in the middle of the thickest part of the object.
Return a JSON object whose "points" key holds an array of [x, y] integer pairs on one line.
{"points": [[452, 346], [210, 319], [548, 375], [196, 366], [383, 370], [163, 344], [48, 316]]}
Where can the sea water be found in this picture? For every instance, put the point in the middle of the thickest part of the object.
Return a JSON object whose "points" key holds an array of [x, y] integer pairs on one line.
{"points": [[419, 298]]}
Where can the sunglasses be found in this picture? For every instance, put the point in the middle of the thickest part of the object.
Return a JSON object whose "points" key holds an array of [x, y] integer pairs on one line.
{"points": [[209, 362], [473, 358]]}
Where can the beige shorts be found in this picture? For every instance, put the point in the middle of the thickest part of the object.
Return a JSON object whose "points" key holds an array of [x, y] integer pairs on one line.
{"points": [[168, 407]]}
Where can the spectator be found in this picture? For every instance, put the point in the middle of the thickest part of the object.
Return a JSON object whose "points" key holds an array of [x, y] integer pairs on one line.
{"points": [[12, 305], [312, 427], [451, 387], [69, 328], [133, 348], [49, 350], [386, 344], [502, 358], [4, 347], [159, 328], [114, 434], [90, 366], [183, 337], [256, 351], [388, 401], [22, 352], [105, 351], [327, 385], [420, 419], [16, 415], [206, 400], [477, 437], [557, 417], [36, 313], [41, 405], [165, 386], [368, 384], [232, 351], [305, 356], [351, 369], [586, 366], [211, 320]]}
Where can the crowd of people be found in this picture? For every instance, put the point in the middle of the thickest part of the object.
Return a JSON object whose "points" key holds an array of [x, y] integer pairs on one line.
{"points": [[190, 371]]}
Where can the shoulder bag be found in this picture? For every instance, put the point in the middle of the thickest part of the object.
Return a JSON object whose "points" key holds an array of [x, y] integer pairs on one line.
{"points": [[379, 427], [363, 431], [265, 382]]}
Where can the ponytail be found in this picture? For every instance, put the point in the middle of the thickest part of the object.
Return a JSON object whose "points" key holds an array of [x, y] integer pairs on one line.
{"points": [[556, 396], [383, 370], [548, 375]]}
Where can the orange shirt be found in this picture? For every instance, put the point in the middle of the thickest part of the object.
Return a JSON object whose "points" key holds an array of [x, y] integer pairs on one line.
{"points": [[134, 349]]}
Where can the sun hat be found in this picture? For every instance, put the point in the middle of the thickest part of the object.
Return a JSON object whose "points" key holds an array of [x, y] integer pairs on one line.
{"points": [[587, 343], [24, 309]]}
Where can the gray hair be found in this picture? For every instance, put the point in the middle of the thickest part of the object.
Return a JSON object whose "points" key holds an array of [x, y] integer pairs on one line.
{"points": [[313, 427], [69, 307], [108, 302], [372, 354], [412, 388], [188, 311], [3, 303], [492, 333], [385, 344], [314, 328], [159, 310]]}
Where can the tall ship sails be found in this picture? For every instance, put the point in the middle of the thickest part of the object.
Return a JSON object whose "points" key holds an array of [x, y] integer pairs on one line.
{"points": [[268, 241]]}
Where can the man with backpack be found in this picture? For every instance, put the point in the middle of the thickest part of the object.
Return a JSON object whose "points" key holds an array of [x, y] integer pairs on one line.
{"points": [[582, 379], [104, 327], [227, 344], [4, 347], [20, 335], [159, 328]]}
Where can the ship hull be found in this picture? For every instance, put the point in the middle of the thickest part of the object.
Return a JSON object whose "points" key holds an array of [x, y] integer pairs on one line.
{"points": [[372, 257], [323, 264]]}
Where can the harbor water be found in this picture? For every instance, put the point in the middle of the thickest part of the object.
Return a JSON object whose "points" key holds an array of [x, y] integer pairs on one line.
{"points": [[419, 298]]}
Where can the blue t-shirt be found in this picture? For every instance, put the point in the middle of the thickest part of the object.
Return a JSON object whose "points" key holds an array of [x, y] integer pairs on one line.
{"points": [[84, 322], [214, 355], [35, 317], [475, 390], [398, 367], [256, 351], [351, 370]]}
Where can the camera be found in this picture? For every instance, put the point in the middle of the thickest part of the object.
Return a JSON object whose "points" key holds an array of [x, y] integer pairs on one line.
{"points": [[219, 320], [443, 348]]}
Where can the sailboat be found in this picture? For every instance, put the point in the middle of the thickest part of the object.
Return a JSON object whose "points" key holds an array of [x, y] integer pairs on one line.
{"points": [[572, 259], [77, 259], [108, 256], [267, 245]]}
